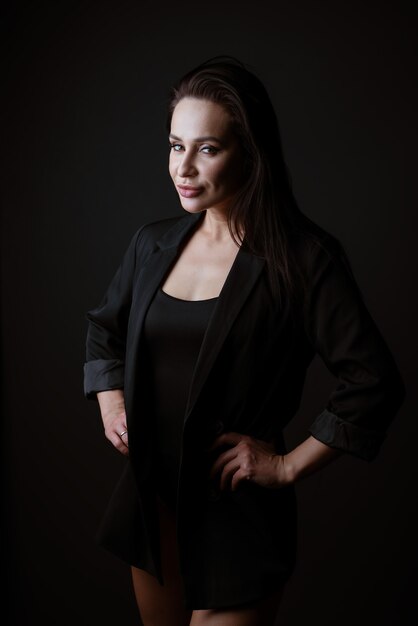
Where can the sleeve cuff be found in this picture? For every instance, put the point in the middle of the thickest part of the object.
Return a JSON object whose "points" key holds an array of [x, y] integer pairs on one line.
{"points": [[338, 433], [103, 375]]}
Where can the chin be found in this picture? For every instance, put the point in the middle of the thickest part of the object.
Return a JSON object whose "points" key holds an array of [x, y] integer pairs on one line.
{"points": [[192, 207], [193, 211]]}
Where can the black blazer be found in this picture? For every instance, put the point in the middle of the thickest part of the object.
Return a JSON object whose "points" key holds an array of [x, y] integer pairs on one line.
{"points": [[248, 378]]}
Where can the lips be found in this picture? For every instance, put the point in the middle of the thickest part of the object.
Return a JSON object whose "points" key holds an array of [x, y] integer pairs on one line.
{"points": [[187, 191]]}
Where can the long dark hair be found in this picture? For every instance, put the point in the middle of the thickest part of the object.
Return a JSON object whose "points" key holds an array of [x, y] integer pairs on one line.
{"points": [[265, 207]]}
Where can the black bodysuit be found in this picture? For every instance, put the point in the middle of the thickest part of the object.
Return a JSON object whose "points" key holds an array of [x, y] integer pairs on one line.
{"points": [[173, 331]]}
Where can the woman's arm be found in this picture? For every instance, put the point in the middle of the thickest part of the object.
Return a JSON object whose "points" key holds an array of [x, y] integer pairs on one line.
{"points": [[104, 368], [306, 458], [256, 460], [341, 330]]}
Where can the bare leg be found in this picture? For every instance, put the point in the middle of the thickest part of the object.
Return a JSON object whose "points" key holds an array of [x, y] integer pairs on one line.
{"points": [[162, 605], [260, 613]]}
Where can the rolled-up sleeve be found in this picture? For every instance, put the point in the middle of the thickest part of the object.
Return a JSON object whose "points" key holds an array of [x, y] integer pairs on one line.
{"points": [[370, 389], [104, 367]]}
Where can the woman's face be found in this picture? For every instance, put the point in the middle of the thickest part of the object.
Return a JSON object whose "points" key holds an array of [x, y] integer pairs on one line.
{"points": [[206, 161]]}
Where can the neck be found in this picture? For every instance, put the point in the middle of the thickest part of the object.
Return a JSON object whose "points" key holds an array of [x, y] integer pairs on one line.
{"points": [[215, 226]]}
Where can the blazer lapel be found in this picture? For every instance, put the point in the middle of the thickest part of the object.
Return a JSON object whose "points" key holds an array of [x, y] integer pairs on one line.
{"points": [[241, 279], [149, 279], [151, 275]]}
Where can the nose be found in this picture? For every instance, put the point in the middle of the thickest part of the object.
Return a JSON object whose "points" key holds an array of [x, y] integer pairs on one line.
{"points": [[186, 166]]}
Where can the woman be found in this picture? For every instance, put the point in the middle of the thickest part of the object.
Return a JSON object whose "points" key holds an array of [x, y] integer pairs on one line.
{"points": [[198, 354]]}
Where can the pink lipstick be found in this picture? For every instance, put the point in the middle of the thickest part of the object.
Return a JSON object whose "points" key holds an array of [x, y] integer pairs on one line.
{"points": [[189, 192]]}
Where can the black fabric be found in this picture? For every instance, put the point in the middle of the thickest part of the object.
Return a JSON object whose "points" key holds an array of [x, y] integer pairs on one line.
{"points": [[173, 333], [248, 378]]}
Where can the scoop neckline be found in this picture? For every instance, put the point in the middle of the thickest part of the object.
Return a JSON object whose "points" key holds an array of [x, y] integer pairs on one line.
{"points": [[182, 299]]}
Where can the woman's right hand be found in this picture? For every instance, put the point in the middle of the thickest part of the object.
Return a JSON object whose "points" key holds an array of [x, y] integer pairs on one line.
{"points": [[112, 408]]}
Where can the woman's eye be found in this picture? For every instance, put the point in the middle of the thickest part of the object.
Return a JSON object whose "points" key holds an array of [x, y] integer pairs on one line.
{"points": [[209, 150], [176, 147]]}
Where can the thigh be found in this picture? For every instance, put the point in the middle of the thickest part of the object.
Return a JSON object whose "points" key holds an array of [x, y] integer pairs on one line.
{"points": [[162, 605], [260, 613]]}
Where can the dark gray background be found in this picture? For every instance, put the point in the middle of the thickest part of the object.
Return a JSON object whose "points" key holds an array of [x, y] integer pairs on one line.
{"points": [[85, 164]]}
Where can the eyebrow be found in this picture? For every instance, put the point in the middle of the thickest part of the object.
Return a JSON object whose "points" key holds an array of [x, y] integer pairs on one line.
{"points": [[199, 139]]}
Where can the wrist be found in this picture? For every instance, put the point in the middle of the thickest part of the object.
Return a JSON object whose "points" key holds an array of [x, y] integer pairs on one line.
{"points": [[284, 474], [111, 401], [289, 470]]}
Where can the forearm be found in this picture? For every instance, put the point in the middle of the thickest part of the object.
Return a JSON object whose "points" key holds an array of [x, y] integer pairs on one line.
{"points": [[111, 402], [308, 457]]}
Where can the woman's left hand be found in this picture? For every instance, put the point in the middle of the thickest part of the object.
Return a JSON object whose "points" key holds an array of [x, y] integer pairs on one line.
{"points": [[249, 459]]}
